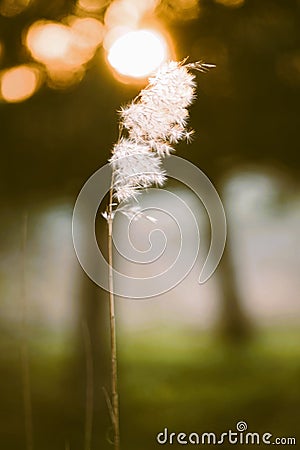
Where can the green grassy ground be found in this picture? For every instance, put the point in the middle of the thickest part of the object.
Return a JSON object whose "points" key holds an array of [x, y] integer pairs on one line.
{"points": [[183, 381], [191, 383]]}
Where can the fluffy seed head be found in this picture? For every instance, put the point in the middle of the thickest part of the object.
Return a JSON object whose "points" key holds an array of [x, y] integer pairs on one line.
{"points": [[154, 121], [135, 167]]}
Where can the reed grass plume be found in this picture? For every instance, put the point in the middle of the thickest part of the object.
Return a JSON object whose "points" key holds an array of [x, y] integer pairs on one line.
{"points": [[151, 125]]}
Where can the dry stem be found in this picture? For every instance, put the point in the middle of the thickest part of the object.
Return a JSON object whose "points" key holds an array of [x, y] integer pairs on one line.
{"points": [[113, 337]]}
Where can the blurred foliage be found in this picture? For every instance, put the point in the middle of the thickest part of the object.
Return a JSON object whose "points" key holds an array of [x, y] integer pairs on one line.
{"points": [[180, 380], [247, 111], [195, 383]]}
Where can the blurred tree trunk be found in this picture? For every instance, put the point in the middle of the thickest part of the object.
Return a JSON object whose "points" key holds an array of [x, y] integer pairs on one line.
{"points": [[234, 324], [91, 350]]}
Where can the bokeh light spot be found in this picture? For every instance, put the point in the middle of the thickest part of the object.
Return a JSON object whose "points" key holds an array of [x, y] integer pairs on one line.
{"points": [[89, 32], [19, 83], [121, 13], [48, 41], [10, 8], [92, 6], [179, 10], [64, 48], [231, 3], [137, 54]]}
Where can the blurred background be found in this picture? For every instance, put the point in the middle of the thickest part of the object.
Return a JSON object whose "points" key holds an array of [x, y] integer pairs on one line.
{"points": [[199, 358]]}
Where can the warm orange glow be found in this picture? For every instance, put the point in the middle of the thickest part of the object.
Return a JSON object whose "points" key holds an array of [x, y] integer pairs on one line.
{"points": [[231, 3], [10, 8], [19, 83], [121, 13], [181, 10], [128, 12], [112, 35], [62, 76], [144, 6], [48, 41], [139, 53], [134, 52], [65, 48], [88, 32], [91, 6]]}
